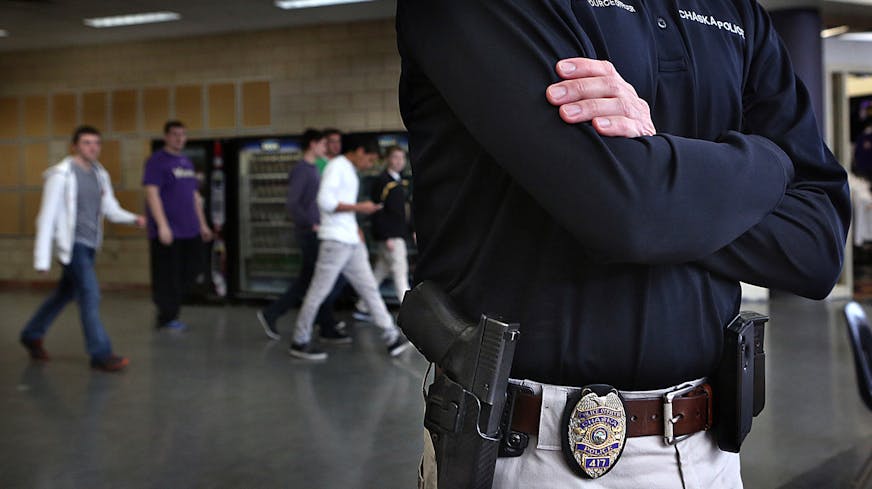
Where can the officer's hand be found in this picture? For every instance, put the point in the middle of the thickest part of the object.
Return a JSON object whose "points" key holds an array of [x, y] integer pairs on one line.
{"points": [[593, 90]]}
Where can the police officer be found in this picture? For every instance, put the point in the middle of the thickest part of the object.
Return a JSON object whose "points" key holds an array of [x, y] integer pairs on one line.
{"points": [[614, 215]]}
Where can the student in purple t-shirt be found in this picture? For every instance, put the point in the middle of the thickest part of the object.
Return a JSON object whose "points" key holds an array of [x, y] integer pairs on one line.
{"points": [[176, 224]]}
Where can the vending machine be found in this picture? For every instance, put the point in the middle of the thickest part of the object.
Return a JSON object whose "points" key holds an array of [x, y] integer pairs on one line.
{"points": [[268, 258]]}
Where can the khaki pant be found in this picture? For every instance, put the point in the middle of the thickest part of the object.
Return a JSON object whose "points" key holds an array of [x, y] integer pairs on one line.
{"points": [[693, 463]]}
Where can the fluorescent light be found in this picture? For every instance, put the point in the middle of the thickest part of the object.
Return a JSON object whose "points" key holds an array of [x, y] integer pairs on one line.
{"points": [[857, 36], [4, 33], [290, 4], [834, 31], [132, 19]]}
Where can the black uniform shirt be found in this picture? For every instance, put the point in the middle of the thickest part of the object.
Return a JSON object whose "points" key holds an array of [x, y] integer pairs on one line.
{"points": [[391, 221], [621, 258]]}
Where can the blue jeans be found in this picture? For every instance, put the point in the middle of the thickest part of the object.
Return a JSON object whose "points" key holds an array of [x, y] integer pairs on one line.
{"points": [[78, 281]]}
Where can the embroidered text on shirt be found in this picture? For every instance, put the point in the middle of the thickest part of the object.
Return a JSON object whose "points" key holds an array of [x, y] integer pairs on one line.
{"points": [[611, 3], [711, 21]]}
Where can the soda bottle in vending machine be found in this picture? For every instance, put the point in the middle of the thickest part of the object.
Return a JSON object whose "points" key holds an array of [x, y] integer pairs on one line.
{"points": [[218, 215]]}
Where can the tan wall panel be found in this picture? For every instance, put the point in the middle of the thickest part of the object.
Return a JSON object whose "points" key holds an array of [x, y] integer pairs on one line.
{"points": [[189, 106], [35, 163], [63, 114], [32, 199], [35, 116], [222, 106], [133, 201], [110, 158], [10, 202], [94, 109], [155, 108], [9, 117], [256, 104], [10, 170], [124, 111]]}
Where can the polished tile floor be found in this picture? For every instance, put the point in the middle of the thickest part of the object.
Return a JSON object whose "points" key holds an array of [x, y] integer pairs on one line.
{"points": [[219, 406]]}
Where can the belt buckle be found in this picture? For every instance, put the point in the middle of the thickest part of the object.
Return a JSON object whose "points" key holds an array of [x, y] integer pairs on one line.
{"points": [[668, 419]]}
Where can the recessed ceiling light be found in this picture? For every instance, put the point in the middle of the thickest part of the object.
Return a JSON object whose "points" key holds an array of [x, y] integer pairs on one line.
{"points": [[290, 4], [834, 31], [857, 36], [132, 19]]}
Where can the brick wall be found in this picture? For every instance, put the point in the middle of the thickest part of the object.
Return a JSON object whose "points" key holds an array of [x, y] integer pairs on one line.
{"points": [[269, 82]]}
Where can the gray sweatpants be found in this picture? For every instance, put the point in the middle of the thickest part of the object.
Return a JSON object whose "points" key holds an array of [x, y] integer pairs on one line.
{"points": [[352, 261]]}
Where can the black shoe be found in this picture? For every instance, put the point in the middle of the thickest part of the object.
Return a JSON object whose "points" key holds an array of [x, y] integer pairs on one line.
{"points": [[112, 363], [399, 345], [34, 347], [306, 351], [335, 336], [268, 327]]}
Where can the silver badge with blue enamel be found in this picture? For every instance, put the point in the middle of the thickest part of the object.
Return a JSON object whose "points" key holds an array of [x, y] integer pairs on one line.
{"points": [[595, 430]]}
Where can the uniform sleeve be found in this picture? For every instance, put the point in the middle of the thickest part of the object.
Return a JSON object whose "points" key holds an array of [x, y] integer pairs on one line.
{"points": [[799, 246], [660, 199], [152, 174]]}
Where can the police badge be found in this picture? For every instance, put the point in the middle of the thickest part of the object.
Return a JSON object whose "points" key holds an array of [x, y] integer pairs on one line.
{"points": [[596, 430]]}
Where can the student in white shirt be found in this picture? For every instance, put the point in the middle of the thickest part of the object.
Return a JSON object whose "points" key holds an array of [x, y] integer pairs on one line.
{"points": [[343, 250]]}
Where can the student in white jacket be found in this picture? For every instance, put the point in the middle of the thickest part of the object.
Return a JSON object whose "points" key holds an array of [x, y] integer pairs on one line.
{"points": [[77, 194]]}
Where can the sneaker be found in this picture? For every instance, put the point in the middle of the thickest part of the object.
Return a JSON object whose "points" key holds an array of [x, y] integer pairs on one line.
{"points": [[34, 347], [112, 363], [335, 336], [399, 345], [341, 326], [268, 327], [174, 325], [361, 316], [306, 351]]}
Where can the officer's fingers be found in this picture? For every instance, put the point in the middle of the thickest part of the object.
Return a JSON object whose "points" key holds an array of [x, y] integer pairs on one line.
{"points": [[585, 110], [572, 68], [568, 91], [619, 126], [575, 90]]}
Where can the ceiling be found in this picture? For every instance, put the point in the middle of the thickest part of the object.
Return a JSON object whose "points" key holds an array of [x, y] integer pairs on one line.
{"points": [[38, 24]]}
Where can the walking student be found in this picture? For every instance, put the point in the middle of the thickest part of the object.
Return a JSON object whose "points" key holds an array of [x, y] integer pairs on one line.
{"points": [[76, 195], [390, 226], [342, 249], [303, 182]]}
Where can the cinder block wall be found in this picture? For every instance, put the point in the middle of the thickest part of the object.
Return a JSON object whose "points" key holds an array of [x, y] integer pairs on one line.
{"points": [[269, 82]]}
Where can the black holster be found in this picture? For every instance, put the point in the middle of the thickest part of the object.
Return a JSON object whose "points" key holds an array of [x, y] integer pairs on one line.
{"points": [[465, 403], [740, 387]]}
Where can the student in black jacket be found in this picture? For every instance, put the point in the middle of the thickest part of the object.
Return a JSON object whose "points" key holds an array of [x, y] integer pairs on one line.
{"points": [[391, 225]]}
